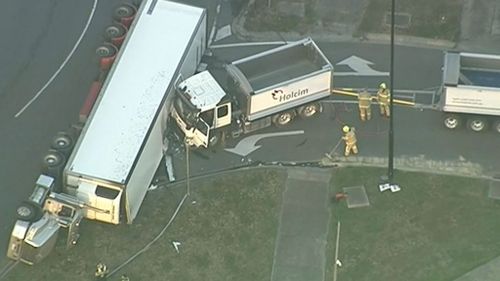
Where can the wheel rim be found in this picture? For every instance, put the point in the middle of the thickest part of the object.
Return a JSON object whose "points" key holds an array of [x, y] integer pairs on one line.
{"points": [[310, 110], [51, 160], [124, 11], [451, 123], [214, 139], [103, 51], [284, 118], [477, 125], [24, 211], [497, 127], [113, 31], [62, 142]]}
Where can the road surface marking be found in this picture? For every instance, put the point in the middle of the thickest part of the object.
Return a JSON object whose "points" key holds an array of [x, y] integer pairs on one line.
{"points": [[247, 145], [360, 66], [64, 62]]}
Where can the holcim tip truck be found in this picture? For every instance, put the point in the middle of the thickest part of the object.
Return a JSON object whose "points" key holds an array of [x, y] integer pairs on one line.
{"points": [[271, 87], [470, 93], [121, 145]]}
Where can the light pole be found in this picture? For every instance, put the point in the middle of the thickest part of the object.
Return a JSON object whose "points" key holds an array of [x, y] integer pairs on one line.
{"points": [[390, 171]]}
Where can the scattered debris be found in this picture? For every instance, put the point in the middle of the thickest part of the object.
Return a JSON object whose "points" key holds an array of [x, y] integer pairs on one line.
{"points": [[176, 245], [385, 186]]}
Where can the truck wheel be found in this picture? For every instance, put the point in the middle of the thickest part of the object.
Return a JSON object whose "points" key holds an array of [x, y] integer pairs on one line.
{"points": [[452, 121], [215, 139], [309, 110], [53, 165], [496, 126], [283, 118], [63, 143], [115, 31], [106, 51], [29, 211], [476, 124], [124, 11]]}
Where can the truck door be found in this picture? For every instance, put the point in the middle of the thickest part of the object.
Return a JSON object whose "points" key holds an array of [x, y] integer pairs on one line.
{"points": [[201, 132], [103, 198], [223, 116]]}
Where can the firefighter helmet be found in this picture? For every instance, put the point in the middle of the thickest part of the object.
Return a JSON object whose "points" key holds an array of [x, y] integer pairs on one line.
{"points": [[383, 86], [346, 129]]}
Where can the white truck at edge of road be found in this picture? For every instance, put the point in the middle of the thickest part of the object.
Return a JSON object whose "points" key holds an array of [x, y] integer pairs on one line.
{"points": [[271, 87], [122, 143], [470, 92]]}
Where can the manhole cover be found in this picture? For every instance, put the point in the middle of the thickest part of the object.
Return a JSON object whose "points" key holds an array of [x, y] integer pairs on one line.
{"points": [[356, 197]]}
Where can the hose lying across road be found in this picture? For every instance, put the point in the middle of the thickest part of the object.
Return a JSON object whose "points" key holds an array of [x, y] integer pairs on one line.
{"points": [[353, 94]]}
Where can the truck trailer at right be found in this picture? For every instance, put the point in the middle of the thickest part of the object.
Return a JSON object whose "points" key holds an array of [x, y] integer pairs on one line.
{"points": [[470, 94]]}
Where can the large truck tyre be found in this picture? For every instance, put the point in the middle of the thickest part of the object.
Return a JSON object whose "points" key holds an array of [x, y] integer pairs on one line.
{"points": [[116, 33], [216, 138], [309, 110], [476, 123], [107, 54], [29, 211], [452, 121], [125, 14], [62, 142], [283, 118], [53, 165]]}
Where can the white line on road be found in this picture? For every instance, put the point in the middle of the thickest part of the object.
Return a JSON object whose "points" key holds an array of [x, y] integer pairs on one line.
{"points": [[64, 62]]}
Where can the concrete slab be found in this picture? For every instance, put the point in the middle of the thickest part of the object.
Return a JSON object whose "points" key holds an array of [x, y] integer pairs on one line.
{"points": [[311, 194], [301, 220], [486, 272], [356, 197], [494, 191], [301, 240], [301, 251], [298, 273], [310, 174]]}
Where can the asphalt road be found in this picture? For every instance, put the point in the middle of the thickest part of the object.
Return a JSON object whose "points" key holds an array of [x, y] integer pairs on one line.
{"points": [[41, 34], [37, 38], [417, 132]]}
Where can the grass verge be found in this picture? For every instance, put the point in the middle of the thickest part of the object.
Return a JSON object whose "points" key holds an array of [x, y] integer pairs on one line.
{"points": [[436, 228], [226, 228]]}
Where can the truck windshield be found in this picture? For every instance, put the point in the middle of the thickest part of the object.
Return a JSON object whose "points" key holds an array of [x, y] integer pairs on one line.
{"points": [[185, 111]]}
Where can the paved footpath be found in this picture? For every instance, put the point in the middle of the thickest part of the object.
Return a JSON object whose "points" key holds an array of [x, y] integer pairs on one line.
{"points": [[489, 271], [301, 240]]}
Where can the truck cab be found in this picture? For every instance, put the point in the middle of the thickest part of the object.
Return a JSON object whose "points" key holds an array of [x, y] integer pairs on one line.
{"points": [[201, 108]]}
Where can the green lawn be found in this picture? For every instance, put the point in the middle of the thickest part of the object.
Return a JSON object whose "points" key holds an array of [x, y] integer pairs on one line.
{"points": [[436, 228], [227, 229]]}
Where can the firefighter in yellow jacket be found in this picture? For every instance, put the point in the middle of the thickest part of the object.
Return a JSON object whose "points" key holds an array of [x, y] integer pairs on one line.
{"points": [[383, 97], [349, 138], [365, 105]]}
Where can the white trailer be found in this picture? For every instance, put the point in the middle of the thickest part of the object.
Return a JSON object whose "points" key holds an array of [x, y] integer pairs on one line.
{"points": [[271, 87], [470, 93], [121, 144], [123, 140]]}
